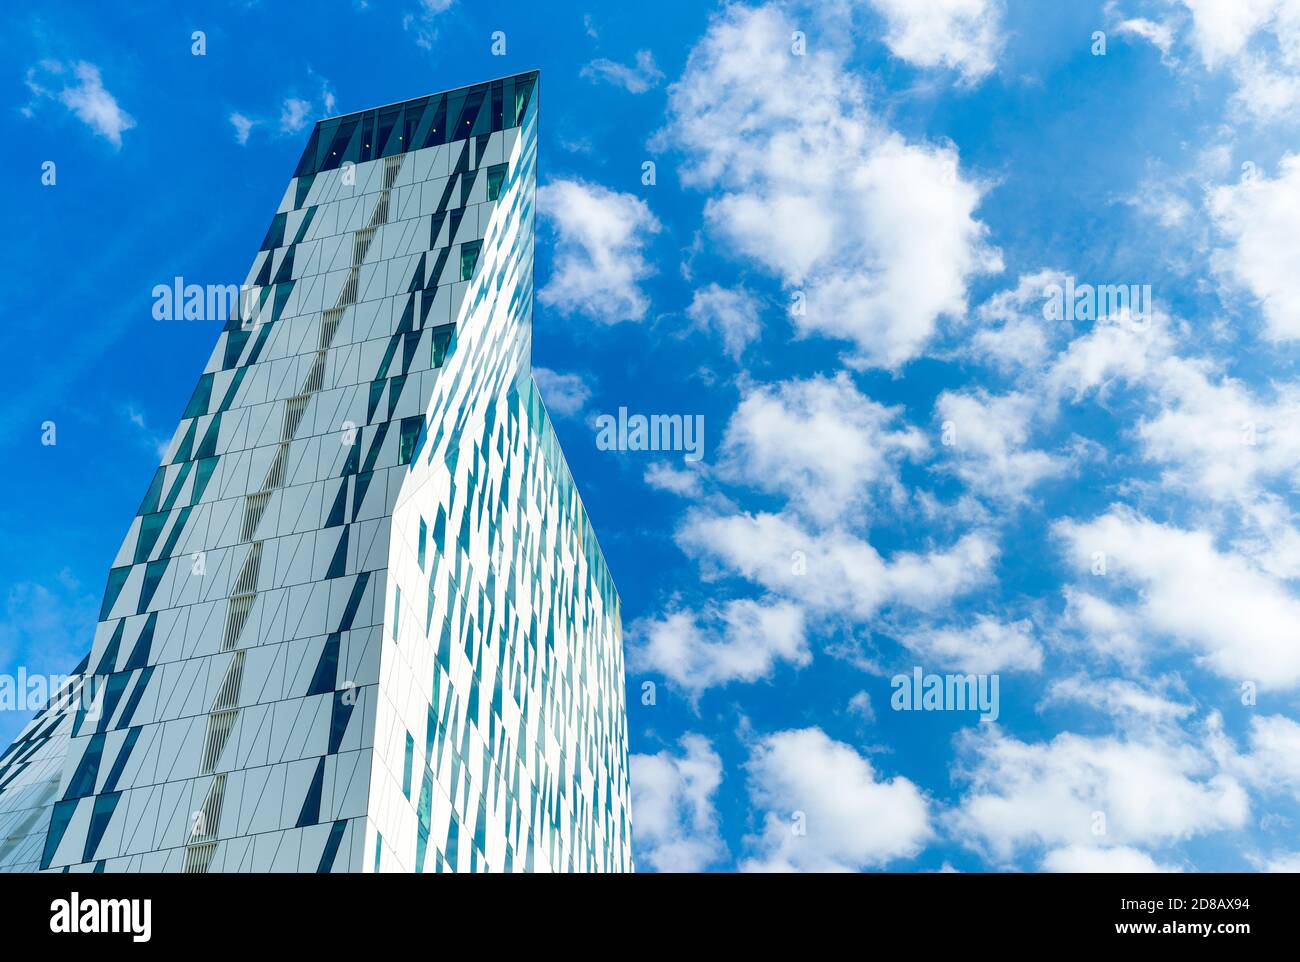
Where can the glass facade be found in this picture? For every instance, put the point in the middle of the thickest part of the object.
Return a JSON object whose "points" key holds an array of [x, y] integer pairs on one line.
{"points": [[361, 622]]}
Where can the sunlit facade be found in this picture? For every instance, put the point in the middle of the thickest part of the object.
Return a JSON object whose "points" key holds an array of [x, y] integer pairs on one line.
{"points": [[361, 621]]}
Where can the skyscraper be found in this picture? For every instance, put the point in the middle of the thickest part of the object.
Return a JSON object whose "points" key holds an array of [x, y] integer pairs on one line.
{"points": [[361, 621]]}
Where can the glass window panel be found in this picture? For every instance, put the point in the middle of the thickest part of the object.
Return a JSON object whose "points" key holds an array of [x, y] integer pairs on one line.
{"points": [[468, 259]]}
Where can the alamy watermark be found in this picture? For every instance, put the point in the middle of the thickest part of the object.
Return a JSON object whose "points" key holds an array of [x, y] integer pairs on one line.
{"points": [[655, 432], [1093, 302], [32, 692], [179, 301], [921, 692]]}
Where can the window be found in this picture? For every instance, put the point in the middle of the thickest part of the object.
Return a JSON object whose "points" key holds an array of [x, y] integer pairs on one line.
{"points": [[406, 773], [116, 579], [410, 434], [203, 392], [496, 175], [442, 343], [523, 88], [468, 258], [397, 610], [151, 526], [424, 531]]}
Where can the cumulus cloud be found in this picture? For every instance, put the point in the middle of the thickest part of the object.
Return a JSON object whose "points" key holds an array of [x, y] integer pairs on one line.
{"points": [[877, 235], [986, 436], [295, 114], [1159, 34], [732, 313], [835, 572], [819, 442], [985, 646], [1258, 43], [1284, 862], [673, 807], [600, 259], [243, 127], [1272, 762], [83, 93], [825, 809], [1011, 333], [740, 640], [637, 79], [1117, 697], [964, 35], [1236, 618], [1094, 858], [1222, 29], [1074, 793], [681, 481], [1114, 350], [564, 394], [1219, 439], [421, 20], [1257, 219]]}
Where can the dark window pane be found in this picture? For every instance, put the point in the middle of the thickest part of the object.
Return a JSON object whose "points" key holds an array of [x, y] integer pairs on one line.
{"points": [[442, 343], [410, 432], [468, 258], [496, 175], [199, 401], [151, 526]]}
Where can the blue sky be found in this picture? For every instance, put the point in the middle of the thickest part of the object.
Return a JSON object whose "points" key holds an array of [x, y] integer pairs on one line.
{"points": [[857, 215]]}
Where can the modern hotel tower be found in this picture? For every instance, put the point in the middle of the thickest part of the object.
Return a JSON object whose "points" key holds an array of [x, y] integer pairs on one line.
{"points": [[361, 621]]}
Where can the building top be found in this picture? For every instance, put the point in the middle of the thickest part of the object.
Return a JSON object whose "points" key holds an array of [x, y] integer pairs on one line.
{"points": [[415, 124]]}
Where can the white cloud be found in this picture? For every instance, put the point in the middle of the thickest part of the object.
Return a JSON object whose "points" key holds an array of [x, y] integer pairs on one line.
{"points": [[1012, 332], [1286, 862], [1273, 761], [564, 394], [1093, 858], [985, 646], [1115, 349], [988, 437], [1267, 92], [422, 21], [295, 114], [243, 127], [819, 442], [1116, 697], [834, 572], [860, 705], [731, 312], [853, 819], [878, 234], [1108, 629], [1237, 618], [741, 640], [1217, 439], [87, 97], [1257, 218], [636, 79], [681, 481], [1258, 41], [599, 251], [1158, 34], [673, 810], [964, 35], [1222, 28], [1143, 791]]}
